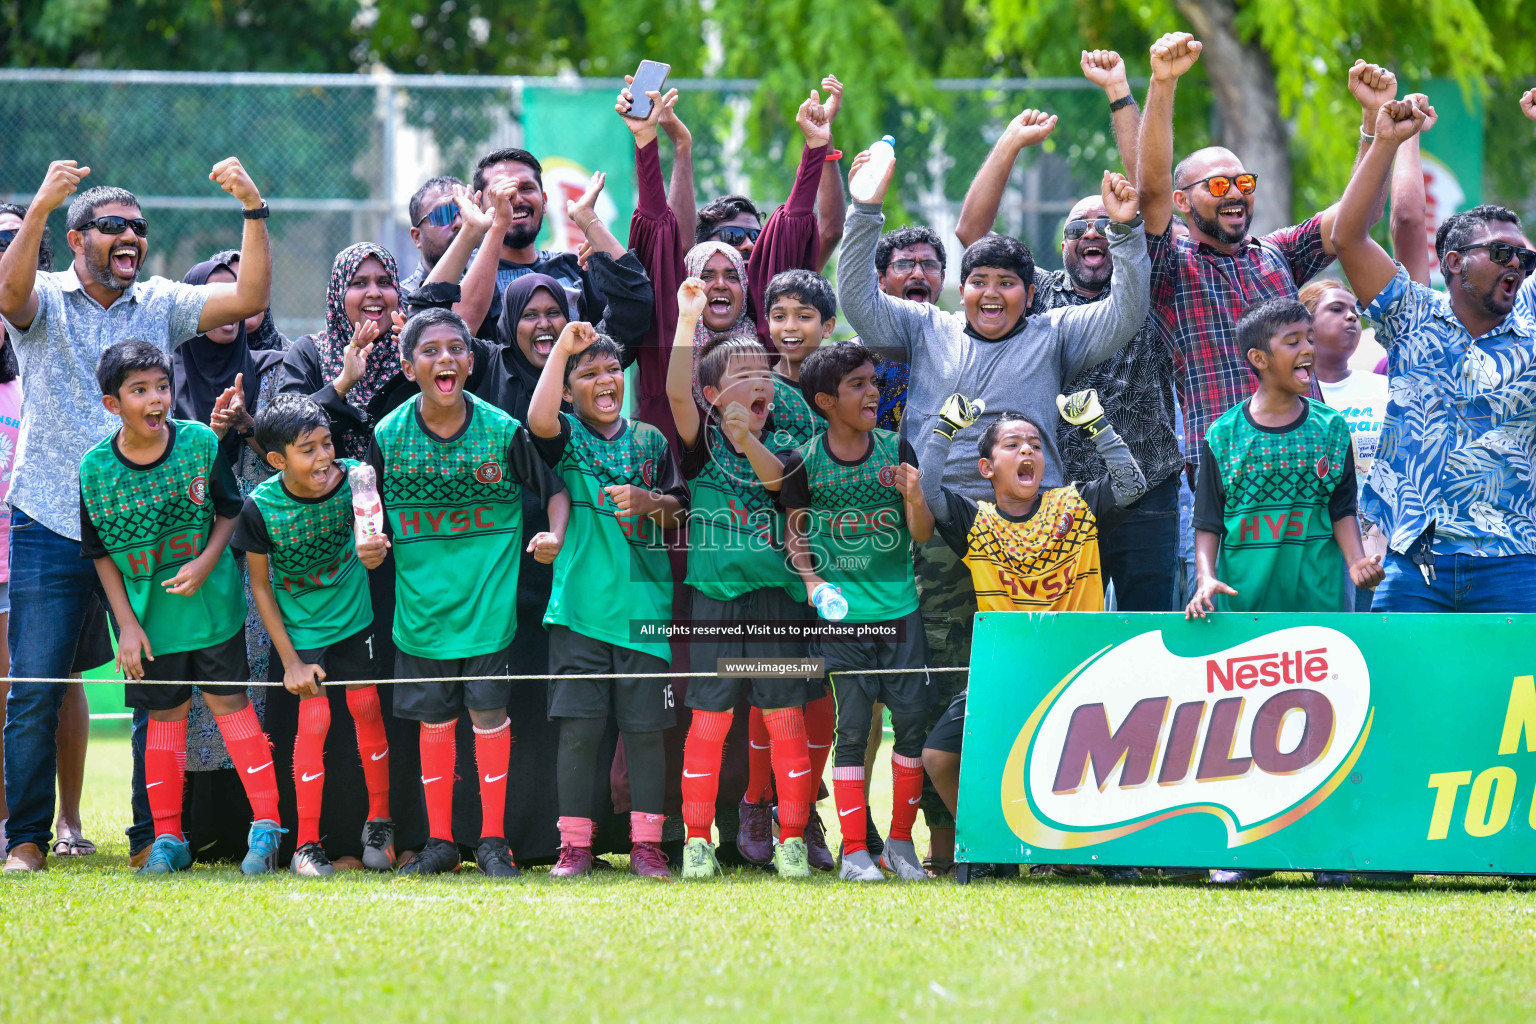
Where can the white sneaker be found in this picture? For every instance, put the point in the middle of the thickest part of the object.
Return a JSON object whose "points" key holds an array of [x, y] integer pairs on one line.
{"points": [[859, 866], [900, 856]]}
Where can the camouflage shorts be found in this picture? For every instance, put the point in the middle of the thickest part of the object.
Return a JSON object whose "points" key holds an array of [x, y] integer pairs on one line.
{"points": [[947, 601]]}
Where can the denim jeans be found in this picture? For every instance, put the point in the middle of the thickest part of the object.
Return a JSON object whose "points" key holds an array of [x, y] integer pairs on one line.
{"points": [[1141, 554], [141, 832], [51, 586], [1463, 583]]}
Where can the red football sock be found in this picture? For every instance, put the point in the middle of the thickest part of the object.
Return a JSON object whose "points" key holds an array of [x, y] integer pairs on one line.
{"points": [[759, 759], [791, 770], [438, 750], [309, 765], [372, 746], [820, 733], [576, 831], [852, 814], [251, 752], [907, 793], [165, 771], [702, 754], [644, 827], [493, 756]]}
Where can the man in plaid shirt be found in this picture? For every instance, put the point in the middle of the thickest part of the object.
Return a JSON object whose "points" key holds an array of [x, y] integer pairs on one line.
{"points": [[1203, 283]]}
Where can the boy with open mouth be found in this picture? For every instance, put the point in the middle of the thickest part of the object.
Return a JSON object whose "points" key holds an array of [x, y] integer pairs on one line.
{"points": [[452, 469]]}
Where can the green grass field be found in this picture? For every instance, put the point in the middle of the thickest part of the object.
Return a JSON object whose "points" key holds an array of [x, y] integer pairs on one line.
{"points": [[89, 942]]}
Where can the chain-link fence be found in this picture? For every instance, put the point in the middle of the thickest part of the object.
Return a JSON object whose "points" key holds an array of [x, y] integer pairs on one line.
{"points": [[337, 156]]}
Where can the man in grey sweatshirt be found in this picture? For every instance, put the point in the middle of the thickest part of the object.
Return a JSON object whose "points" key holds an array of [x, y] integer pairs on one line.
{"points": [[995, 352]]}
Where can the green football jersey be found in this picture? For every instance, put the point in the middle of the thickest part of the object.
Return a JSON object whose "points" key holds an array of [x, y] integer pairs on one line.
{"points": [[857, 530], [1273, 495], [153, 519], [320, 586], [794, 421], [612, 570], [735, 528], [454, 511]]}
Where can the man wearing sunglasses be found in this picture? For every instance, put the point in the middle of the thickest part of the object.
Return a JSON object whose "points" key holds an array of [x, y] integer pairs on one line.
{"points": [[1202, 285], [60, 324], [434, 224], [1451, 484]]}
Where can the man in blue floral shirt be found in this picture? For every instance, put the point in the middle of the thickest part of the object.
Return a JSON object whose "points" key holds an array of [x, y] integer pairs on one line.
{"points": [[1452, 485]]}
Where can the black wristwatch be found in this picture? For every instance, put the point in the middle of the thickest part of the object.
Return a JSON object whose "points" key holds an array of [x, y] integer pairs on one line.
{"points": [[1124, 101], [261, 212]]}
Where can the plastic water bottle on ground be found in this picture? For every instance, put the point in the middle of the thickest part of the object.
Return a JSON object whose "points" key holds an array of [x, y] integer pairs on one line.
{"points": [[367, 509], [830, 602], [863, 184]]}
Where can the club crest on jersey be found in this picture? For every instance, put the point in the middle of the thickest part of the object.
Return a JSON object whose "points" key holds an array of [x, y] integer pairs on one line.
{"points": [[1323, 466], [489, 473], [887, 476], [1063, 525], [198, 491], [648, 472]]}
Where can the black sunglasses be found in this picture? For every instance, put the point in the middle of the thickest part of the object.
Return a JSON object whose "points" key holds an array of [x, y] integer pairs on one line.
{"points": [[117, 225], [1076, 229], [1502, 252], [7, 237], [442, 216], [736, 236]]}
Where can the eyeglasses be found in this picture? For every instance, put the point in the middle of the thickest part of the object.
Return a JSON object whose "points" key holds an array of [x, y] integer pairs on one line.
{"points": [[1076, 229], [1502, 252], [442, 216], [7, 237], [117, 225], [1220, 184], [736, 236], [905, 266]]}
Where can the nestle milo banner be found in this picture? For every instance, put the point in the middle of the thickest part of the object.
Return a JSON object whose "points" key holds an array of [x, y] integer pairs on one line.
{"points": [[1365, 742]]}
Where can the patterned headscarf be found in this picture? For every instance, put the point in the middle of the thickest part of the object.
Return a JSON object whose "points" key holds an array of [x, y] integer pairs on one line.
{"points": [[384, 360], [705, 339]]}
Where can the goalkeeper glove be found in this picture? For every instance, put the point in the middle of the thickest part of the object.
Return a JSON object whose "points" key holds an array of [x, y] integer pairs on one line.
{"points": [[1082, 409], [957, 413]]}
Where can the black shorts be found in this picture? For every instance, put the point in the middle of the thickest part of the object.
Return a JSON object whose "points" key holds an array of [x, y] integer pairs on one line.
{"points": [[445, 702], [949, 731], [908, 692], [723, 694], [348, 660], [640, 705], [223, 663], [94, 647]]}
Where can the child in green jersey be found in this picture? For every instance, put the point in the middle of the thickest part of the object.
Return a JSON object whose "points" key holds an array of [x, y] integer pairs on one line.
{"points": [[157, 508], [1276, 494], [310, 583], [451, 471], [855, 506], [738, 573], [802, 311], [612, 596]]}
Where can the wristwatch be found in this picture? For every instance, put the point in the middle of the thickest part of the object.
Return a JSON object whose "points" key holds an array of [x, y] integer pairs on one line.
{"points": [[1124, 101], [1124, 227], [261, 212]]}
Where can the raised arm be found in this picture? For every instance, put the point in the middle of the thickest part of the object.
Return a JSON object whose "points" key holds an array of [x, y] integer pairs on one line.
{"points": [[831, 203], [18, 265], [583, 213], [252, 293], [1372, 86], [685, 410], [1105, 69], [544, 406], [680, 193], [1409, 243], [1125, 482], [979, 211], [1091, 333], [957, 413], [477, 287], [1366, 263], [1172, 56], [882, 321]]}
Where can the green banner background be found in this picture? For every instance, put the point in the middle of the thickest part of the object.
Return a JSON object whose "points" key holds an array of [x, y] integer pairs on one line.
{"points": [[1440, 690], [575, 132]]}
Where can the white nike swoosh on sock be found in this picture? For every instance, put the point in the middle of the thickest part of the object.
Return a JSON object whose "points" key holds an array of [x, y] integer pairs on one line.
{"points": [[848, 811], [917, 801], [378, 757], [696, 775], [152, 785], [437, 778], [253, 771], [497, 778], [756, 746], [796, 775], [306, 777]]}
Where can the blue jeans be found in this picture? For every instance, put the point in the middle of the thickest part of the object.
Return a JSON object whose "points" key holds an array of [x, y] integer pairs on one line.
{"points": [[51, 587], [1463, 583], [1141, 554]]}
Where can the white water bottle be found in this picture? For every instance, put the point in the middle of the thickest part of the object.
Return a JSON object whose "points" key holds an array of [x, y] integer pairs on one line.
{"points": [[830, 602], [367, 509], [864, 182]]}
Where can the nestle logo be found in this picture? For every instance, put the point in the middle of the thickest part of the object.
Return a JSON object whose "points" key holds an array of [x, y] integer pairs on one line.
{"points": [[1250, 670]]}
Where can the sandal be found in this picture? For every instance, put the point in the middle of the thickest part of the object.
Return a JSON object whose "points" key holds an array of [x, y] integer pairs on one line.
{"points": [[73, 845]]}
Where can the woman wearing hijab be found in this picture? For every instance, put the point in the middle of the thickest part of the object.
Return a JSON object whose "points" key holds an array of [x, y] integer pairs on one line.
{"points": [[260, 330]]}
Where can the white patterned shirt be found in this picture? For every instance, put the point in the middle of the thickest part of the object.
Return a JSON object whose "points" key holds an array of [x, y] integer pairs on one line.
{"points": [[1458, 447], [61, 412]]}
